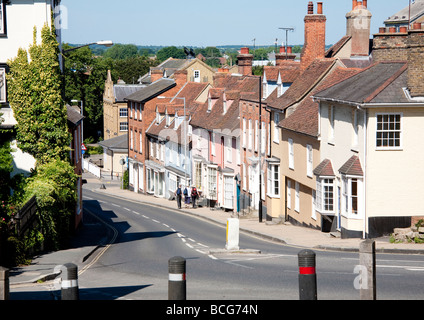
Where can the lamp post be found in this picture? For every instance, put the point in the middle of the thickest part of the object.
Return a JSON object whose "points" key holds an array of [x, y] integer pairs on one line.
{"points": [[82, 114]]}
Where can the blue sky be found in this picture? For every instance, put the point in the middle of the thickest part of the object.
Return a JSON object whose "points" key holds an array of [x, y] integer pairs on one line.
{"points": [[207, 23]]}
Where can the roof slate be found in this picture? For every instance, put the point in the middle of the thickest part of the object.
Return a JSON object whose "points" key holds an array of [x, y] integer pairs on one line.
{"points": [[352, 167], [324, 169], [367, 85], [147, 93]]}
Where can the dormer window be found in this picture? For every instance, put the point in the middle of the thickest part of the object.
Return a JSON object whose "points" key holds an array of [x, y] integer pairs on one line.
{"points": [[224, 104], [157, 117], [209, 104]]}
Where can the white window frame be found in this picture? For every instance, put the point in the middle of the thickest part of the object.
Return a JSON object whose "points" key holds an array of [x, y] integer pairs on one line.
{"points": [[213, 151], [229, 150], [196, 76], [140, 117], [123, 126], [256, 135], [289, 200], [297, 197], [250, 142], [323, 202], [389, 130], [291, 153], [331, 123], [123, 112], [244, 177], [263, 137], [244, 133], [348, 197], [273, 180], [132, 140], [2, 18], [355, 128], [276, 137], [309, 160]]}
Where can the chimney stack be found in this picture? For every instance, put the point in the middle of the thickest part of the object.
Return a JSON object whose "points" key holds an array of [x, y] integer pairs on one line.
{"points": [[245, 62], [314, 46], [358, 26], [155, 74], [415, 60]]}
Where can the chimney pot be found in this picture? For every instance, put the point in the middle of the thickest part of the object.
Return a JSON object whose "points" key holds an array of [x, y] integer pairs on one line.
{"points": [[244, 50], [354, 4], [319, 10], [365, 3], [416, 26], [289, 50], [403, 29], [282, 49], [310, 7], [382, 30], [392, 29]]}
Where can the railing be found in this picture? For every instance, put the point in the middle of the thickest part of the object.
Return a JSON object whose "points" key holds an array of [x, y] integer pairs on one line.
{"points": [[92, 168]]}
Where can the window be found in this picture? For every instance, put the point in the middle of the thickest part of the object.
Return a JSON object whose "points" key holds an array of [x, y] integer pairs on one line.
{"points": [[250, 134], [132, 140], [123, 126], [212, 183], [355, 127], [140, 114], [244, 133], [309, 160], [123, 112], [273, 180], [291, 154], [389, 131], [263, 138], [256, 135], [325, 195], [2, 84], [297, 197], [331, 119], [212, 142], [141, 143], [132, 107], [350, 195], [198, 177], [276, 131], [229, 151], [2, 18], [196, 76], [289, 194], [244, 177]]}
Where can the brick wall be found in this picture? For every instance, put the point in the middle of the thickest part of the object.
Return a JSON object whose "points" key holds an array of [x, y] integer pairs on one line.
{"points": [[314, 46], [415, 63], [390, 47]]}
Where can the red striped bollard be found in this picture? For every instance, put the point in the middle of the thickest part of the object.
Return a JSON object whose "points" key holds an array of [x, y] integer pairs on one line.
{"points": [[177, 279], [307, 275]]}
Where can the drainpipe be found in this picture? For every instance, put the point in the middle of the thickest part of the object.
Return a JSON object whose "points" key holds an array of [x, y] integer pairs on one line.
{"points": [[361, 107]]}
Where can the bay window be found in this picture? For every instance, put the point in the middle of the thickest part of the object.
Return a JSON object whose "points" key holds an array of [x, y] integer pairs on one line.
{"points": [[273, 180], [325, 195], [351, 192]]}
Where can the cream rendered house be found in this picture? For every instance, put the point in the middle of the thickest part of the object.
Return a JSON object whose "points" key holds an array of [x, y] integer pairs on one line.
{"points": [[17, 21], [370, 129]]}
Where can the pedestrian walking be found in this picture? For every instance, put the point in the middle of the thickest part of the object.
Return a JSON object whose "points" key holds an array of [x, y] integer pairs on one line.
{"points": [[194, 196], [186, 197], [179, 195]]}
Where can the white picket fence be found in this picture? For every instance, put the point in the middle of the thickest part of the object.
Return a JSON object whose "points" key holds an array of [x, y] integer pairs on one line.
{"points": [[92, 168]]}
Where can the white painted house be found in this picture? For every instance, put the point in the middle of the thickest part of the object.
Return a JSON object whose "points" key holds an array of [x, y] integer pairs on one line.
{"points": [[17, 21]]}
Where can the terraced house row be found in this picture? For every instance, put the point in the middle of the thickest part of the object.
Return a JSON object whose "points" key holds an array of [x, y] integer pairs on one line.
{"points": [[331, 141]]}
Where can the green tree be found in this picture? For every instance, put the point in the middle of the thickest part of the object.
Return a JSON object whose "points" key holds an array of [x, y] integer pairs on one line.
{"points": [[53, 184], [170, 52], [121, 51], [131, 69], [34, 85], [85, 77]]}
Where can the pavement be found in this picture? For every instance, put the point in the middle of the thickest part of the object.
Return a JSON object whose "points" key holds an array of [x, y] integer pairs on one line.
{"points": [[94, 235]]}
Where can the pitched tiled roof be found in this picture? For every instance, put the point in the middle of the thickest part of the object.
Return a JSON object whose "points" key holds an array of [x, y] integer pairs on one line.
{"points": [[324, 169], [303, 84], [119, 143], [352, 167], [74, 115], [367, 85], [235, 88], [305, 118], [337, 47]]}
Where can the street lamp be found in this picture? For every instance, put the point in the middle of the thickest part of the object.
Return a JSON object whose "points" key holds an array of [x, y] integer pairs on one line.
{"points": [[82, 114], [185, 134], [106, 43]]}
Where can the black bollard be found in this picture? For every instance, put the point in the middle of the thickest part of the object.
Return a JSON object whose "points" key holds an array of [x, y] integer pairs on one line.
{"points": [[69, 285], [177, 279], [307, 275]]}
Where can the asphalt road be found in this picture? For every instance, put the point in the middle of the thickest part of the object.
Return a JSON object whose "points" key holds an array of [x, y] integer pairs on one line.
{"points": [[135, 266]]}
